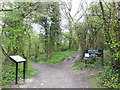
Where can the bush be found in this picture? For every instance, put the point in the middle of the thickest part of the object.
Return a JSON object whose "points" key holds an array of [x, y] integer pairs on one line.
{"points": [[110, 78], [64, 47], [90, 64]]}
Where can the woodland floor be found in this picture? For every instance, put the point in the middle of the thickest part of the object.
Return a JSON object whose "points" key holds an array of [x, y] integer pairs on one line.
{"points": [[61, 76]]}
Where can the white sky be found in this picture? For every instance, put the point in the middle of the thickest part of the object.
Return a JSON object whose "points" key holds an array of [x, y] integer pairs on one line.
{"points": [[75, 6]]}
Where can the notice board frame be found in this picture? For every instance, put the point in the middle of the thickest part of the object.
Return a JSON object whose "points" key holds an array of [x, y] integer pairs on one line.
{"points": [[94, 53], [18, 59]]}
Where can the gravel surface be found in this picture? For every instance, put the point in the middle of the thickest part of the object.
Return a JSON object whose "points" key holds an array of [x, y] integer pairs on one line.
{"points": [[61, 75]]}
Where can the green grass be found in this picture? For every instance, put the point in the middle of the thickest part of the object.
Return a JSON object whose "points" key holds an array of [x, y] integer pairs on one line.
{"points": [[8, 74], [31, 72], [90, 64], [56, 57], [78, 65]]}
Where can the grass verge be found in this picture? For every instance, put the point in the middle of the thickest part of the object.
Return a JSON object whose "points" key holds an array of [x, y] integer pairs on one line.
{"points": [[8, 74], [90, 64], [56, 57]]}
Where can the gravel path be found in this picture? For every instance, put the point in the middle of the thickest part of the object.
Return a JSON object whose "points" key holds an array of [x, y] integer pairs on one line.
{"points": [[61, 76]]}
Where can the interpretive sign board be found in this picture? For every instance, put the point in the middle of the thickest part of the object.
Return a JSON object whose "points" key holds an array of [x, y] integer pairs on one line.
{"points": [[94, 53], [18, 59]]}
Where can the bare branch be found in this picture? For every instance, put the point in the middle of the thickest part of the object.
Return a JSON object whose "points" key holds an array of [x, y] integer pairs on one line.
{"points": [[102, 9]]}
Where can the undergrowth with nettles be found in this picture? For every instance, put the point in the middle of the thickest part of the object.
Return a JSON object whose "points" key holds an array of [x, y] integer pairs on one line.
{"points": [[8, 74]]}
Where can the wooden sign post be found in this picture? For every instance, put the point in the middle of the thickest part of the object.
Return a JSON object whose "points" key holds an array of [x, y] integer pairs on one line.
{"points": [[94, 53], [18, 59]]}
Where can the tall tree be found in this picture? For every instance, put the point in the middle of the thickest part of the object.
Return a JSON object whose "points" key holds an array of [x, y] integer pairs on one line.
{"points": [[67, 10], [110, 17], [51, 25]]}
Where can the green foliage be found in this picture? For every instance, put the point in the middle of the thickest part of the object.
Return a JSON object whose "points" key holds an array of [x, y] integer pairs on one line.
{"points": [[0, 75], [109, 78], [49, 19], [9, 74], [64, 46], [30, 71], [78, 65], [13, 31], [90, 64], [56, 57]]}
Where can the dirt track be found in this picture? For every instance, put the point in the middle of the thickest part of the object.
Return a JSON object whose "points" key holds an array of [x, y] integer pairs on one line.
{"points": [[61, 76]]}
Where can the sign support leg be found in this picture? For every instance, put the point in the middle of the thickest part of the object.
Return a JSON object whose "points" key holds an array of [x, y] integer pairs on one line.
{"points": [[102, 61], [85, 63], [16, 73], [24, 71]]}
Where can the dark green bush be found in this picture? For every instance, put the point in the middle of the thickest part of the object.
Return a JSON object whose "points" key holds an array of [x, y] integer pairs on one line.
{"points": [[110, 78]]}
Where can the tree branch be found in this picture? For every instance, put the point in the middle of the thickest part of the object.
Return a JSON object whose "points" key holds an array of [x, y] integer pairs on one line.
{"points": [[103, 13], [6, 10]]}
